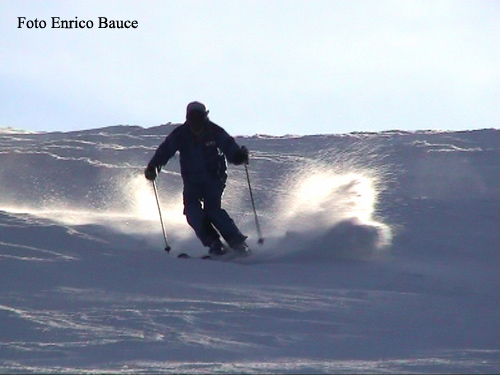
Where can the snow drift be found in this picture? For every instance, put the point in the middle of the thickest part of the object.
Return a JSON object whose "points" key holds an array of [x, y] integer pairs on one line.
{"points": [[381, 255]]}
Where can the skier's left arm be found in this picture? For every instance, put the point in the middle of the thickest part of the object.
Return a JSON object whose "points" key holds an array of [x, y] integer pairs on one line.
{"points": [[233, 152]]}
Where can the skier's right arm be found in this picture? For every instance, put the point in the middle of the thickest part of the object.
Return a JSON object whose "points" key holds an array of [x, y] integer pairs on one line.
{"points": [[161, 157]]}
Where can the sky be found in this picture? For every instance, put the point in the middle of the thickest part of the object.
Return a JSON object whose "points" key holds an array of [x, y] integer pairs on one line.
{"points": [[261, 66]]}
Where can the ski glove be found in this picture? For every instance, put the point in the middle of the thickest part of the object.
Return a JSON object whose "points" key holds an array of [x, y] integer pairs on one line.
{"points": [[151, 172], [241, 156]]}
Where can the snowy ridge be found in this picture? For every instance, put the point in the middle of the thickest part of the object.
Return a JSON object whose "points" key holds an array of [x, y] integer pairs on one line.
{"points": [[381, 255]]}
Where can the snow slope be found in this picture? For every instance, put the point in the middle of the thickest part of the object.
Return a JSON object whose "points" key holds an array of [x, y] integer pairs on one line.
{"points": [[381, 255]]}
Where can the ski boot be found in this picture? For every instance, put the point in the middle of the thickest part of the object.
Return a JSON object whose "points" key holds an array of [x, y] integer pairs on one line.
{"points": [[240, 246], [217, 249]]}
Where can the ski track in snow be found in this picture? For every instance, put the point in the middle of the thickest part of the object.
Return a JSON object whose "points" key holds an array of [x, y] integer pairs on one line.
{"points": [[381, 256]]}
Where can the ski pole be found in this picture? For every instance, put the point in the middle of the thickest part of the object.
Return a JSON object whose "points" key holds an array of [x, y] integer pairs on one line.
{"points": [[259, 233], [167, 246]]}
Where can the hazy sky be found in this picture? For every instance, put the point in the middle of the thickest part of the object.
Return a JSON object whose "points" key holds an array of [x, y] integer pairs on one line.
{"points": [[271, 66]]}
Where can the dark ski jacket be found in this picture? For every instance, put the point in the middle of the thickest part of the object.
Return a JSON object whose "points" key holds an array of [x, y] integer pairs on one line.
{"points": [[201, 156]]}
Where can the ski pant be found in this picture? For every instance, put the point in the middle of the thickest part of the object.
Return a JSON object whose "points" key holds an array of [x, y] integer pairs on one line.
{"points": [[202, 207]]}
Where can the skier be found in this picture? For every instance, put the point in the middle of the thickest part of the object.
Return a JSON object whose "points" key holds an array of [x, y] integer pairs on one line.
{"points": [[203, 147]]}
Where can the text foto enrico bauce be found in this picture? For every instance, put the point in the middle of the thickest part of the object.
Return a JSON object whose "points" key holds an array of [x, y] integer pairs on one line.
{"points": [[59, 23]]}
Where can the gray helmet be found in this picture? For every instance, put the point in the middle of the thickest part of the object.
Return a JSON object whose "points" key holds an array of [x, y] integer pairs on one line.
{"points": [[196, 112], [196, 117]]}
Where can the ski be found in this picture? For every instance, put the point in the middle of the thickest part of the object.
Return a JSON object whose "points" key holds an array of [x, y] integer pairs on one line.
{"points": [[187, 256], [230, 255]]}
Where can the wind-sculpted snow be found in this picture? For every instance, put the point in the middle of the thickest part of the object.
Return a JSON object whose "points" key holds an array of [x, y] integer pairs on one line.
{"points": [[380, 256], [88, 173]]}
